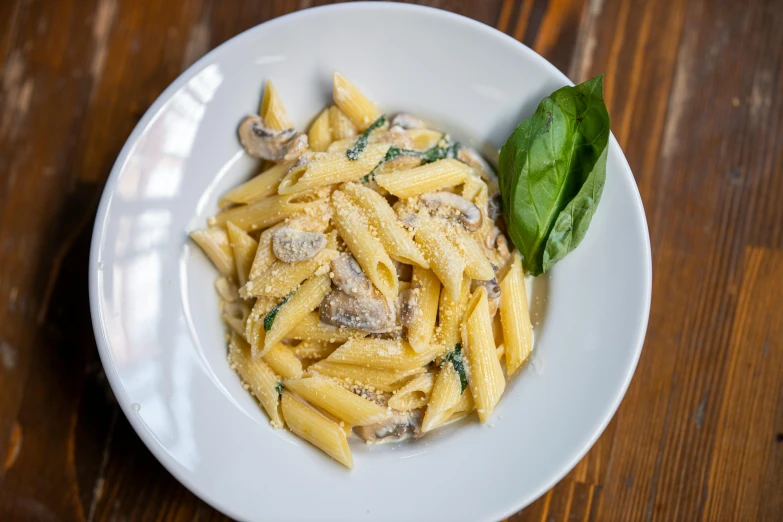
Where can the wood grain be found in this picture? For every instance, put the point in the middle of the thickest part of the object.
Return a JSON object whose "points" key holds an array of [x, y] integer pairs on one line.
{"points": [[693, 87]]}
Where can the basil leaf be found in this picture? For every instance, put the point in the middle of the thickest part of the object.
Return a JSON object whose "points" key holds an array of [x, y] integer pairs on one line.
{"points": [[455, 357], [361, 141], [552, 171], [270, 317], [279, 388]]}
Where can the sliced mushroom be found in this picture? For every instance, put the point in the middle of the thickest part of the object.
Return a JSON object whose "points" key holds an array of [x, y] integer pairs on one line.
{"points": [[493, 293], [291, 245], [261, 142], [406, 121], [409, 306], [400, 426], [469, 214], [475, 160], [348, 277], [369, 313], [495, 206]]}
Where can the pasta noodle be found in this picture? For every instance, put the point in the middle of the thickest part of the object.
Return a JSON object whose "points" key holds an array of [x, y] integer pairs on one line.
{"points": [[272, 109], [486, 376], [432, 177], [244, 249], [260, 379], [364, 245], [333, 398], [323, 433], [425, 288], [361, 111], [515, 317], [320, 134]]}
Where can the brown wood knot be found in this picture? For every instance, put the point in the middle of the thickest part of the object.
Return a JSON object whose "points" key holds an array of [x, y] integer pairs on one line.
{"points": [[14, 445], [779, 437]]}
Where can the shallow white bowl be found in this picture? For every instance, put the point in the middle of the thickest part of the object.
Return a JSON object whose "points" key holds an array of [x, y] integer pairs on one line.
{"points": [[154, 308]]}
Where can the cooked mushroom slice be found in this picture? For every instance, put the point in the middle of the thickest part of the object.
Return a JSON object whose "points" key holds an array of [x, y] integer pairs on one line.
{"points": [[495, 240], [398, 137], [348, 276], [400, 426], [477, 161], [268, 144], [406, 121], [369, 313], [469, 214], [493, 293], [292, 245], [409, 306], [495, 206]]}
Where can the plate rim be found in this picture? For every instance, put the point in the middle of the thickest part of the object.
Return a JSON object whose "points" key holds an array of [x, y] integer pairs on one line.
{"points": [[94, 267]]}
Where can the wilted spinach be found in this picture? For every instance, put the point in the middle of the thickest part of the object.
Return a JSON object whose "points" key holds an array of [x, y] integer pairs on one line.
{"points": [[456, 358], [552, 171], [269, 318]]}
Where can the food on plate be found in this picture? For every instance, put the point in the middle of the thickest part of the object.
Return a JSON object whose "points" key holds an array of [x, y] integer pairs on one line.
{"points": [[366, 275]]}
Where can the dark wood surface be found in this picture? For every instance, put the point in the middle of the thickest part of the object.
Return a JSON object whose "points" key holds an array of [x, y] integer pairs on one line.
{"points": [[695, 90]]}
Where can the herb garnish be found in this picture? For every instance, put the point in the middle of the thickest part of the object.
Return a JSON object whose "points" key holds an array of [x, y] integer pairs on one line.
{"points": [[445, 148], [279, 389], [552, 171], [361, 141], [456, 358], [270, 317]]}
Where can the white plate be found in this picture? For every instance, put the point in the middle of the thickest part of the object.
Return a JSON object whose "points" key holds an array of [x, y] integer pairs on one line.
{"points": [[155, 310]]}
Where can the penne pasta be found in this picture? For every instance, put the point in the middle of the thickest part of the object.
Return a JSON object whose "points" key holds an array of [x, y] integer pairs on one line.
{"points": [[291, 313], [260, 379], [443, 257], [312, 329], [477, 266], [282, 278], [486, 376], [446, 393], [450, 315], [273, 111], [515, 316], [263, 213], [414, 394], [320, 134], [336, 400], [379, 379], [360, 110], [311, 425], [215, 244], [244, 248], [328, 168], [283, 361], [439, 175], [364, 245], [424, 139], [261, 186], [396, 240], [423, 305], [315, 350], [342, 127], [254, 325], [386, 354]]}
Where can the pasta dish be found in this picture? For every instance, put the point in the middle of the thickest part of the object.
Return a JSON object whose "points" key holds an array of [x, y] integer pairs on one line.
{"points": [[366, 280]]}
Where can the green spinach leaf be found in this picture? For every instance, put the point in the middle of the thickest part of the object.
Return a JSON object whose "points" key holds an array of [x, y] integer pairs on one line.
{"points": [[269, 318], [361, 141], [552, 171], [456, 358], [444, 149]]}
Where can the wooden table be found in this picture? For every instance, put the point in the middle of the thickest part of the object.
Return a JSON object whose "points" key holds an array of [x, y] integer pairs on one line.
{"points": [[695, 90]]}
